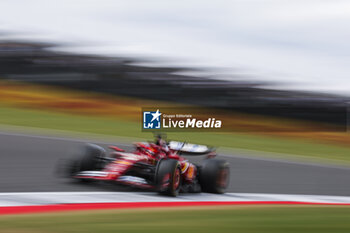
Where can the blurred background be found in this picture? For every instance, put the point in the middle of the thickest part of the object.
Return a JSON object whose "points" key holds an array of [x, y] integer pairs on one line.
{"points": [[277, 70]]}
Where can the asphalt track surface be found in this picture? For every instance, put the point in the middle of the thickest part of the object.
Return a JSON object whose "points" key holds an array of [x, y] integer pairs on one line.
{"points": [[27, 164]]}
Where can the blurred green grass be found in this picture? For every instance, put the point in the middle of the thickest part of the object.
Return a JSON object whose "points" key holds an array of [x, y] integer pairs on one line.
{"points": [[240, 219], [121, 127]]}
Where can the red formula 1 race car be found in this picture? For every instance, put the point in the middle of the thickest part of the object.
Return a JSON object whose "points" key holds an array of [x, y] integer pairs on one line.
{"points": [[158, 166]]}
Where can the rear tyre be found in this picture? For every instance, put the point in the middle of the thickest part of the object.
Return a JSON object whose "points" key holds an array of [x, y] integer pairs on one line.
{"points": [[214, 176], [168, 177], [91, 158]]}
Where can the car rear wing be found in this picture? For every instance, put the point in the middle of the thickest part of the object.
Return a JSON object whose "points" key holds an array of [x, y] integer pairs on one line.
{"points": [[190, 149]]}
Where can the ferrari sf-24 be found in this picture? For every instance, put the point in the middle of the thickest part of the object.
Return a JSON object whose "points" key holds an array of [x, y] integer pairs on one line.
{"points": [[159, 166]]}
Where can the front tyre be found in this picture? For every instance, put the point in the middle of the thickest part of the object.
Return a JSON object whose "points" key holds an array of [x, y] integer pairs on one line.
{"points": [[168, 177], [214, 176]]}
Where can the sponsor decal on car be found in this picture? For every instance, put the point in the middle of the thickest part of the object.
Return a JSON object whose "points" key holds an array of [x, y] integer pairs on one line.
{"points": [[132, 179], [123, 162], [190, 172]]}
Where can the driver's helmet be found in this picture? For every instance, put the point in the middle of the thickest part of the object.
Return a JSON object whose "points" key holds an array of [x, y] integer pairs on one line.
{"points": [[159, 140], [162, 143]]}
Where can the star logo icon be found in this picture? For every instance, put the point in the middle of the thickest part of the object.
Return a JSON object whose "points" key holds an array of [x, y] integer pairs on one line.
{"points": [[156, 115], [151, 119]]}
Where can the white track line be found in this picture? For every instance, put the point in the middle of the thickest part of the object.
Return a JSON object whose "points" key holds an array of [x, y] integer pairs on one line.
{"points": [[48, 198]]}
